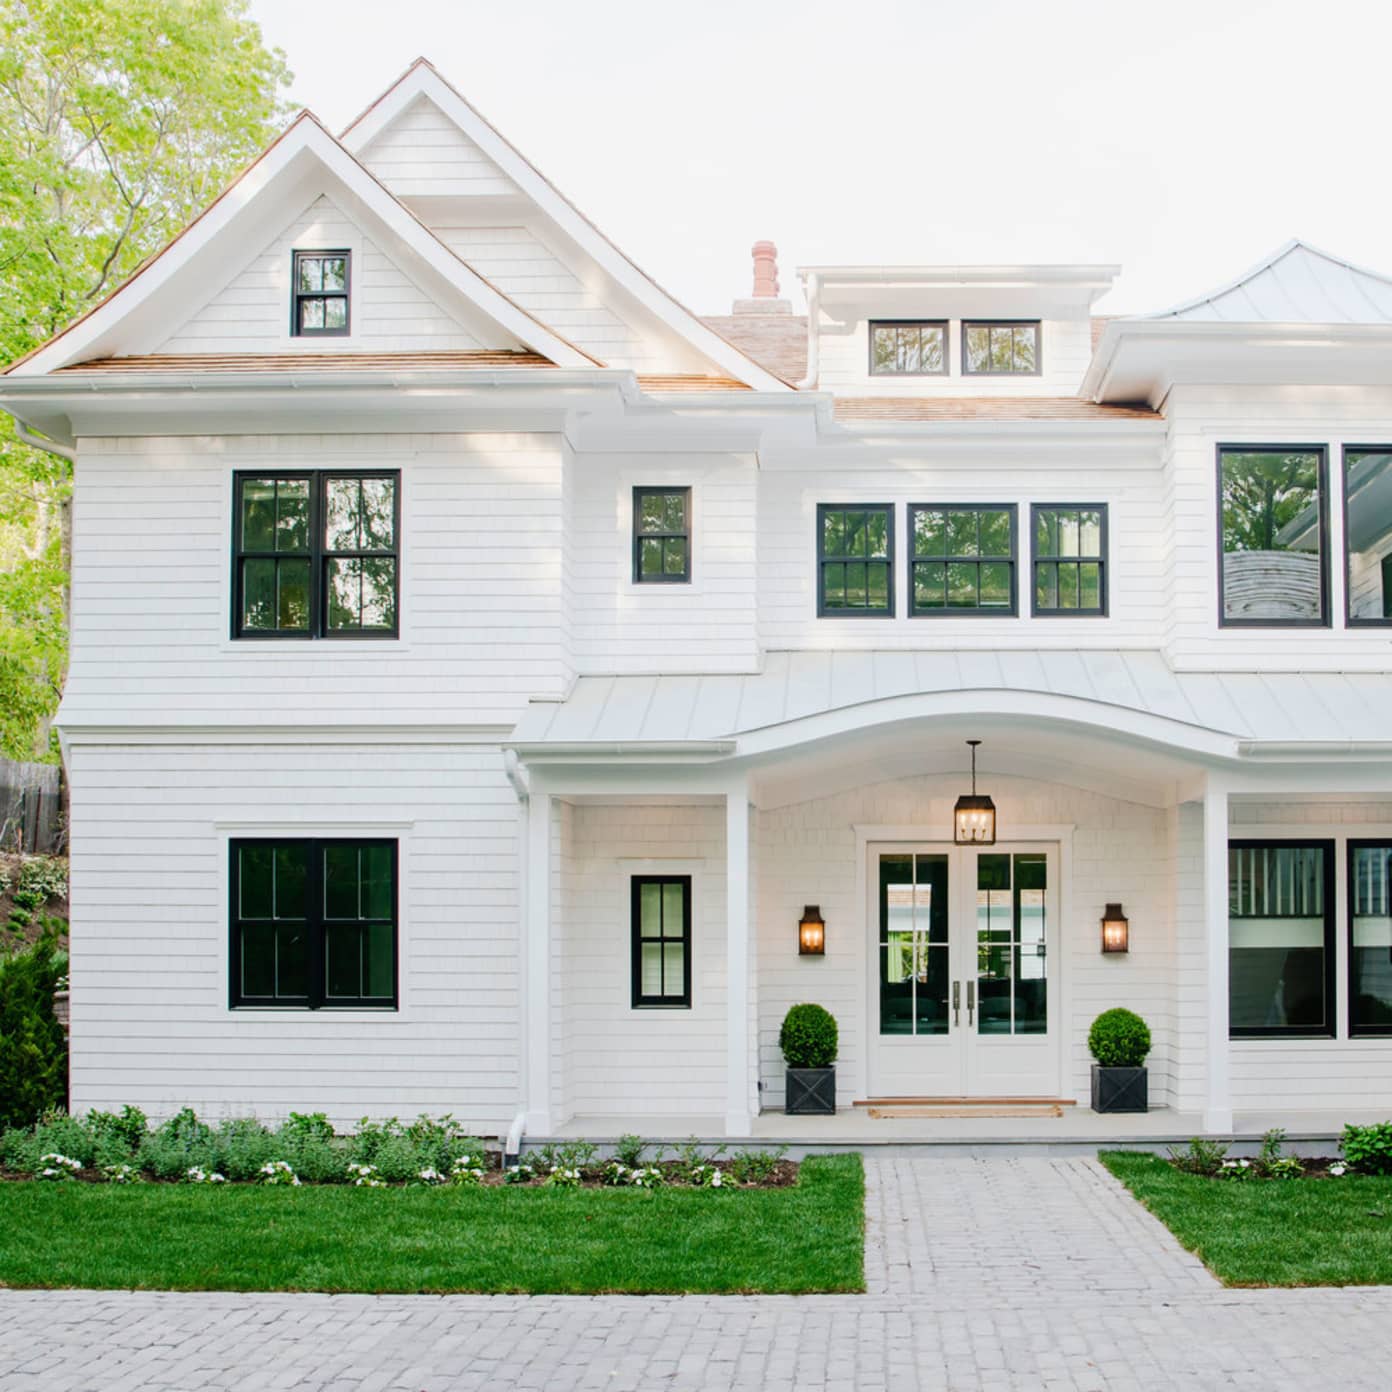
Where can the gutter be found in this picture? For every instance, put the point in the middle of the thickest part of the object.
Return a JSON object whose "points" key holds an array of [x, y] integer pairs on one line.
{"points": [[1286, 749], [42, 442], [619, 749]]}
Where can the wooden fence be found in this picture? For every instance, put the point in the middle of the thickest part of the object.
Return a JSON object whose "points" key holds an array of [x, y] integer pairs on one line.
{"points": [[30, 808]]}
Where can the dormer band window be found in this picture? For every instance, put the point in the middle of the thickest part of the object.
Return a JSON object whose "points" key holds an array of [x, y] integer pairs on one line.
{"points": [[1000, 348], [908, 349], [319, 301]]}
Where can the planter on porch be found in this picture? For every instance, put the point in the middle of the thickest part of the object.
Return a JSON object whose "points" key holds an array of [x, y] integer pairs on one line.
{"points": [[1119, 1040], [1119, 1089], [809, 1042], [810, 1092]]}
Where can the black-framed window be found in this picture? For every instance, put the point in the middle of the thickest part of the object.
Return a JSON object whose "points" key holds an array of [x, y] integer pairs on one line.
{"points": [[1272, 527], [1368, 535], [1280, 938], [316, 554], [962, 559], [314, 923], [661, 536], [855, 560], [1370, 936], [319, 297], [908, 348], [1000, 348], [1070, 558], [661, 927]]}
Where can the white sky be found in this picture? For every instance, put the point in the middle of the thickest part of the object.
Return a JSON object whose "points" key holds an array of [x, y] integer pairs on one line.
{"points": [[1182, 140]]}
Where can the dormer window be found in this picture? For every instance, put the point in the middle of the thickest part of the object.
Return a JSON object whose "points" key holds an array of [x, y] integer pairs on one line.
{"points": [[908, 348], [319, 301], [1000, 348]]}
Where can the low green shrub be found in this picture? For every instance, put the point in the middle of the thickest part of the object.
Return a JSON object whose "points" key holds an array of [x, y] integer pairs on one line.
{"points": [[629, 1151], [33, 1050], [755, 1166], [242, 1146], [808, 1037], [1368, 1148], [1119, 1039], [178, 1145], [46, 876]]}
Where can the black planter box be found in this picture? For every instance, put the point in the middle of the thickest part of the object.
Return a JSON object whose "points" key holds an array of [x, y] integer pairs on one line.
{"points": [[811, 1092], [1118, 1089]]}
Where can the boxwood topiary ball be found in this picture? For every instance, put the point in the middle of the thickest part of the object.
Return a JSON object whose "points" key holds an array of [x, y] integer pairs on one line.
{"points": [[1119, 1039], [808, 1037]]}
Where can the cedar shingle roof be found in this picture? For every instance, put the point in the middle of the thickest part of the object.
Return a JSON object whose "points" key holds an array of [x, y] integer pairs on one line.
{"points": [[777, 342], [298, 362], [687, 382], [997, 408]]}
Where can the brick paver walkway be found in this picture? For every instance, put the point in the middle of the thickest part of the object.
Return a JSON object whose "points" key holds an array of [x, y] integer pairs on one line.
{"points": [[992, 1274]]}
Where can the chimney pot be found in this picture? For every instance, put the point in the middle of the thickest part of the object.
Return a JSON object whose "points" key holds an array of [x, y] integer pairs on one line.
{"points": [[765, 271]]}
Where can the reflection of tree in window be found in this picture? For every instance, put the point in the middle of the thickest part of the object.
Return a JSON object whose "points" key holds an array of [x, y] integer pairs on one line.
{"points": [[1368, 491], [1272, 524]]}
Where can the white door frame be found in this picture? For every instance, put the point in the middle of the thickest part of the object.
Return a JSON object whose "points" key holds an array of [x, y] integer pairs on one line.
{"points": [[934, 836]]}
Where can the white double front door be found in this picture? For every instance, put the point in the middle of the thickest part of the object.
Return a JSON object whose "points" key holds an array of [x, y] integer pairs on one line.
{"points": [[964, 980]]}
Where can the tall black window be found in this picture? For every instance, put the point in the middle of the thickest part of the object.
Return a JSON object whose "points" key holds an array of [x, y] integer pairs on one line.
{"points": [[1070, 558], [907, 349], [855, 560], [963, 559], [316, 555], [1370, 937], [314, 923], [661, 923], [1281, 937], [1272, 530], [997, 348], [319, 301], [661, 535], [1368, 535]]}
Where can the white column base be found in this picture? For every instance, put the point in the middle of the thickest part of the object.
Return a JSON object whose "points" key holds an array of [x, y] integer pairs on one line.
{"points": [[537, 1124], [739, 1124], [1217, 1121]]}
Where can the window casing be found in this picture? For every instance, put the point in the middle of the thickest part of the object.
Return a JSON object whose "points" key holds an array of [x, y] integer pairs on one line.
{"points": [[908, 348], [1272, 537], [1280, 938], [316, 554], [319, 294], [962, 559], [1070, 558], [661, 536], [1370, 937], [661, 930], [1000, 348], [1367, 495], [855, 560], [313, 923]]}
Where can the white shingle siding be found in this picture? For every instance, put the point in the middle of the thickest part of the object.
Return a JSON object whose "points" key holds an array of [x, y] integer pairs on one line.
{"points": [[424, 154]]}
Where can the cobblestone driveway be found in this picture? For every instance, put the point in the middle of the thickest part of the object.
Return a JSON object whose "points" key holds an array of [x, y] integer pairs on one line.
{"points": [[1001, 1273]]}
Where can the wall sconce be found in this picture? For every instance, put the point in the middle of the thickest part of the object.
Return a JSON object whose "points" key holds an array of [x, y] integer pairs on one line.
{"points": [[1116, 930], [974, 817], [812, 933]]}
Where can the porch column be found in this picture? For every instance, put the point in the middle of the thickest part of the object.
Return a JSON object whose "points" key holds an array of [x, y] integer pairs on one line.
{"points": [[536, 1052], [738, 1119], [1218, 1115]]}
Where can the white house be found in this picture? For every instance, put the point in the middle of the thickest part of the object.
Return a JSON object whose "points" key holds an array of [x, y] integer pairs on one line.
{"points": [[480, 661]]}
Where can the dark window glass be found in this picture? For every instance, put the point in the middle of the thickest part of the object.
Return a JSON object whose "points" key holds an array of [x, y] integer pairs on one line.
{"points": [[661, 535], [661, 928], [319, 298], [915, 967], [1011, 943], [313, 923], [963, 559], [1070, 559], [855, 560], [1272, 522], [317, 555], [1000, 349], [908, 350], [1370, 937], [1280, 937], [1368, 535]]}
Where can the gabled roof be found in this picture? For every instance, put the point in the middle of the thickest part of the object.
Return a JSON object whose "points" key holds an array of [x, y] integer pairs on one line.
{"points": [[423, 79], [1296, 284]]}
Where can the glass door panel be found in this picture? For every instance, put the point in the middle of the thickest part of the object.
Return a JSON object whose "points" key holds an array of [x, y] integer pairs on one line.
{"points": [[915, 970], [1011, 943]]}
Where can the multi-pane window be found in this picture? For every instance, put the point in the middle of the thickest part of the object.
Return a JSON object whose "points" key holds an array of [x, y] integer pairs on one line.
{"points": [[1368, 534], [1070, 558], [855, 559], [999, 349], [962, 559], [319, 300], [908, 349], [1011, 943], [1272, 523], [1370, 937], [314, 923], [1280, 937], [661, 535], [661, 925], [316, 555]]}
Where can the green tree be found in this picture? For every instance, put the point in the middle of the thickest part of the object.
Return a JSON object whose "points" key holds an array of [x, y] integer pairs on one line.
{"points": [[1262, 493], [120, 120]]}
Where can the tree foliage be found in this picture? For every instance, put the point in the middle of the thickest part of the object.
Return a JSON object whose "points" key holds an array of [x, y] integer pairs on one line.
{"points": [[1262, 493], [120, 120]]}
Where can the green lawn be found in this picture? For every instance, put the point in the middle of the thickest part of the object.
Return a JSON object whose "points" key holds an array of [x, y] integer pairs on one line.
{"points": [[336, 1238], [1295, 1232]]}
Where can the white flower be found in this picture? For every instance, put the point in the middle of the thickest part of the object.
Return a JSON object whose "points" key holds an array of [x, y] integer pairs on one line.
{"points": [[198, 1175], [430, 1175], [1338, 1168], [1246, 1164], [717, 1179]]}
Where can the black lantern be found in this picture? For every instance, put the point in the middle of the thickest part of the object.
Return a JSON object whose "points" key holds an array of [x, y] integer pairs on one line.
{"points": [[974, 817], [1116, 931], [812, 933]]}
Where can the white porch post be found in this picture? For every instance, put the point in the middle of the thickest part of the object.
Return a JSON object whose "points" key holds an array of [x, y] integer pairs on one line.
{"points": [[738, 1120], [1218, 1115], [536, 1054]]}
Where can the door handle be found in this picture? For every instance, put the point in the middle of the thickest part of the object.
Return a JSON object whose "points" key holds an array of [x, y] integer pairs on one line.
{"points": [[971, 1001], [956, 1003]]}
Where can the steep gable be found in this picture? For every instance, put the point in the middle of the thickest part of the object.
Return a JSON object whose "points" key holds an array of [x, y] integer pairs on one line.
{"points": [[422, 153]]}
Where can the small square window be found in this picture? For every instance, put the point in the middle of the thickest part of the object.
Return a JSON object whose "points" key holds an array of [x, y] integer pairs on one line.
{"points": [[908, 349], [661, 536], [319, 293], [992, 348], [661, 931], [1070, 558]]}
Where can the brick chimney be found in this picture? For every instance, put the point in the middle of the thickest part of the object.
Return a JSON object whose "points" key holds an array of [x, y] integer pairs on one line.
{"points": [[765, 299]]}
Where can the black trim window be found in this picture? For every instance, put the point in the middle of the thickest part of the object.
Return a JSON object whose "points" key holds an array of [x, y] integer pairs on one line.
{"points": [[963, 559], [661, 536], [1368, 536], [855, 560], [1070, 558], [1370, 937], [316, 555], [314, 923], [1000, 348], [1272, 530], [319, 299], [1280, 938], [661, 925], [908, 349]]}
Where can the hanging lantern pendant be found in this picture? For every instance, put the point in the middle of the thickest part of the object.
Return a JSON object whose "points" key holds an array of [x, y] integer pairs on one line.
{"points": [[974, 817]]}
